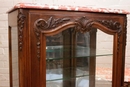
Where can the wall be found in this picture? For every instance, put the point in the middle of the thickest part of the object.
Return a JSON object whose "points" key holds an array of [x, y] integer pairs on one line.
{"points": [[5, 5]]}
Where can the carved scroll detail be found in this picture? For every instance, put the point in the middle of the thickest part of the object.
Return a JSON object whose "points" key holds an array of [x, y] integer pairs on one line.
{"points": [[50, 23], [21, 21], [42, 24]]}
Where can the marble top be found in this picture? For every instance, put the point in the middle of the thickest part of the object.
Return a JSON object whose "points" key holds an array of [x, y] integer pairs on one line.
{"points": [[68, 8]]}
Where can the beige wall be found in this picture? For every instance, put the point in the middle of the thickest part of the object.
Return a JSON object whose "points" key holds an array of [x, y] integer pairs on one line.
{"points": [[5, 5]]}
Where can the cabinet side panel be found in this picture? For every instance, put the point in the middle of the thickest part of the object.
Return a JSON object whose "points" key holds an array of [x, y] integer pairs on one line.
{"points": [[17, 48], [12, 22]]}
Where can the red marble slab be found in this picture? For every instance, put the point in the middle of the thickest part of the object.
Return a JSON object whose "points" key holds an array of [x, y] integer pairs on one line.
{"points": [[67, 8]]}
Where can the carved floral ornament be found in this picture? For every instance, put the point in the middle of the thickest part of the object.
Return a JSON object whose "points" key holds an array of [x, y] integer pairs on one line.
{"points": [[21, 21], [81, 25]]}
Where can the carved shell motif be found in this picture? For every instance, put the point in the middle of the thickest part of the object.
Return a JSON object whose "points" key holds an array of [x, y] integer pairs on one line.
{"points": [[83, 24]]}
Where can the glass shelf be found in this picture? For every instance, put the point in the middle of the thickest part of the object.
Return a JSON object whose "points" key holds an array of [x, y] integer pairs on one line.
{"points": [[81, 52], [60, 48], [63, 79], [49, 59], [82, 81], [57, 74]]}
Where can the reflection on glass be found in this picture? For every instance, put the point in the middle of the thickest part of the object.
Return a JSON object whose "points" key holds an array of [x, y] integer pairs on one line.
{"points": [[104, 63], [82, 63], [14, 43], [53, 51]]}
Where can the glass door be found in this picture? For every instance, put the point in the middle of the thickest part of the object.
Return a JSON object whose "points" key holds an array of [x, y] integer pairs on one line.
{"points": [[72, 60]]}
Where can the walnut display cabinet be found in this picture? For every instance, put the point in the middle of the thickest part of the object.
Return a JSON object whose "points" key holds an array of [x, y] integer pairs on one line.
{"points": [[55, 46]]}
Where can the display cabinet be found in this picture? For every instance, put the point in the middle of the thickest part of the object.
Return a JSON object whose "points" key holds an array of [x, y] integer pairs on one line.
{"points": [[55, 46]]}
